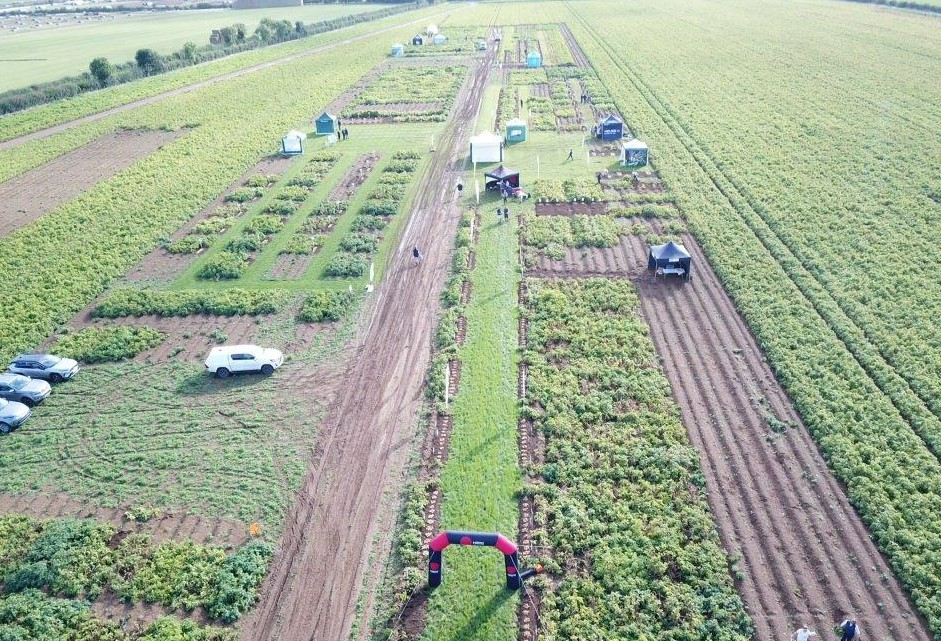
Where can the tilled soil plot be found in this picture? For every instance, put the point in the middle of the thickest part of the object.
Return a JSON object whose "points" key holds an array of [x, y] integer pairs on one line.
{"points": [[805, 556], [627, 259], [29, 196], [311, 590], [168, 526], [162, 266]]}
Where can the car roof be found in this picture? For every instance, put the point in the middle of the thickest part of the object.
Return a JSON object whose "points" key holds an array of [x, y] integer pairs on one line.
{"points": [[30, 356], [10, 376], [235, 348]]}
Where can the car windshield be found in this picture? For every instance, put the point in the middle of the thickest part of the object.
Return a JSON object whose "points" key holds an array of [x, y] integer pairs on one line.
{"points": [[49, 360], [17, 382]]}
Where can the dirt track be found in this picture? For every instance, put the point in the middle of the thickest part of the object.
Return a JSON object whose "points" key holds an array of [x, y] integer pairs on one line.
{"points": [[806, 557], [30, 195], [49, 131], [311, 590]]}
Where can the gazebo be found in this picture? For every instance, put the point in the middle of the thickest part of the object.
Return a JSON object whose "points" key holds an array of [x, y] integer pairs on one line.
{"points": [[501, 178], [398, 50], [418, 40], [515, 130], [431, 30], [326, 123], [610, 128], [668, 259], [293, 143], [634, 153], [486, 147], [439, 39], [533, 59]]}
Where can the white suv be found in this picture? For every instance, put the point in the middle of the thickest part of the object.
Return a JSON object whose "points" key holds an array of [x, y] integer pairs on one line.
{"points": [[229, 359]]}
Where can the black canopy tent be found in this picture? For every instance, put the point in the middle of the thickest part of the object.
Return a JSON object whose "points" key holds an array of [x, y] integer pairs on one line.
{"points": [[670, 259], [501, 178]]}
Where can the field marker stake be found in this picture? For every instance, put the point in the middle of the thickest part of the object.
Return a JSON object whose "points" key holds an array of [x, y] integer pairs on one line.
{"points": [[537, 166], [372, 275], [477, 187], [447, 382]]}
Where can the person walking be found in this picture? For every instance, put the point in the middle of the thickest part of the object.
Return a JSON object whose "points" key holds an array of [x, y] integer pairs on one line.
{"points": [[803, 634], [851, 631], [506, 214], [571, 155], [505, 196], [416, 255], [598, 176]]}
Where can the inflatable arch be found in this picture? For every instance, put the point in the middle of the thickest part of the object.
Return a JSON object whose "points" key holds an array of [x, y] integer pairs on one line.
{"points": [[514, 577]]}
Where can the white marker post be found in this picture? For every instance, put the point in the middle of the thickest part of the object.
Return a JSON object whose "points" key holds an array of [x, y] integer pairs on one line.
{"points": [[372, 276], [447, 382], [477, 188], [432, 142], [587, 157], [537, 166]]}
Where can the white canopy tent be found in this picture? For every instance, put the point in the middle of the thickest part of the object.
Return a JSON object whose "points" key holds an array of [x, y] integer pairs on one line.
{"points": [[293, 143], [634, 153], [486, 147]]}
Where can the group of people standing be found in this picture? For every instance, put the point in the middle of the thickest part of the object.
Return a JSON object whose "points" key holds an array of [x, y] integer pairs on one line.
{"points": [[849, 630]]}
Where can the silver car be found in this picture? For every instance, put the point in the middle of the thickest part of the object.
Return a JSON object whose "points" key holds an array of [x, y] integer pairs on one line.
{"points": [[46, 366], [23, 389], [12, 415]]}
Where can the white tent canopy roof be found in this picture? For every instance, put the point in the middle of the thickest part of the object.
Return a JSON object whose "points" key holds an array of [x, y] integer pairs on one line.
{"points": [[634, 144], [294, 133], [516, 122], [486, 138]]}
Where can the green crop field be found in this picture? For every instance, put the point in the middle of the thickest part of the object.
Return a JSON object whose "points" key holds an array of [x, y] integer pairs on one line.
{"points": [[40, 55], [796, 143]]}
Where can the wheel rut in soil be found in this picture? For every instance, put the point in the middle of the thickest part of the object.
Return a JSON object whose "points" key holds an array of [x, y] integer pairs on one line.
{"points": [[805, 556], [311, 590]]}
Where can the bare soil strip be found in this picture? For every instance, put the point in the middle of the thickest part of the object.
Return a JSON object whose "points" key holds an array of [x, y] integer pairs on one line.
{"points": [[806, 558], [28, 196], [310, 592]]}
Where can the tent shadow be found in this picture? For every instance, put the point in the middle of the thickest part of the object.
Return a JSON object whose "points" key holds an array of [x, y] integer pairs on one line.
{"points": [[483, 615]]}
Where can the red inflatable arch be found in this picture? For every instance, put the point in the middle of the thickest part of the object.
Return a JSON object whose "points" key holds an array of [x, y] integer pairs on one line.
{"points": [[514, 578]]}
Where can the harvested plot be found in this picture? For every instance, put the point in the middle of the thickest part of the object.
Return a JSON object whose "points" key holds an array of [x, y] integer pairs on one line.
{"points": [[29, 196]]}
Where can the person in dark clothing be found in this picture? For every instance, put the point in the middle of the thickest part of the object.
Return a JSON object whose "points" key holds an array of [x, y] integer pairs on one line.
{"points": [[506, 214], [571, 155], [498, 214], [599, 177], [416, 255], [850, 630], [460, 187]]}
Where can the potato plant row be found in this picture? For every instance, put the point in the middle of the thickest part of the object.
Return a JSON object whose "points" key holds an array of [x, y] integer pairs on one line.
{"points": [[32, 615], [231, 302], [434, 86], [82, 558], [892, 479], [103, 344], [113, 225], [622, 504], [241, 250], [550, 235], [362, 242]]}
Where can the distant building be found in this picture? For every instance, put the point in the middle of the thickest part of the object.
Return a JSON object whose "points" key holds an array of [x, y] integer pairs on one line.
{"points": [[266, 4]]}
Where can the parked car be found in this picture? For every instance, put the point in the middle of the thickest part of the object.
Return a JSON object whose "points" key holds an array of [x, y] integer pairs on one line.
{"points": [[45, 366], [12, 415], [22, 389], [230, 359]]}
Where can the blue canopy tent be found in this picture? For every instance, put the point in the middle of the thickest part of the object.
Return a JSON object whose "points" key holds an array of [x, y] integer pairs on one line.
{"points": [[610, 128], [326, 124], [670, 259], [533, 59]]}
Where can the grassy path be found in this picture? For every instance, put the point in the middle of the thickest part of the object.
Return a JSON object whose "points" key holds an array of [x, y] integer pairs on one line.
{"points": [[482, 473]]}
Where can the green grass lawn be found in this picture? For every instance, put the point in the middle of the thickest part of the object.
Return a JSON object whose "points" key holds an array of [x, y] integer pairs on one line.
{"points": [[482, 475], [67, 50]]}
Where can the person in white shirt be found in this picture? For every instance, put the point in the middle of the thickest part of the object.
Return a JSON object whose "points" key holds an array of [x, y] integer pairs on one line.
{"points": [[803, 634]]}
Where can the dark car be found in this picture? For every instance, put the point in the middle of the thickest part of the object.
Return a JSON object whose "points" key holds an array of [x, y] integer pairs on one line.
{"points": [[23, 389], [46, 366]]}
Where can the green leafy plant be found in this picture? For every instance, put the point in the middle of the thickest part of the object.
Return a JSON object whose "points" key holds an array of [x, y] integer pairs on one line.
{"points": [[103, 344]]}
